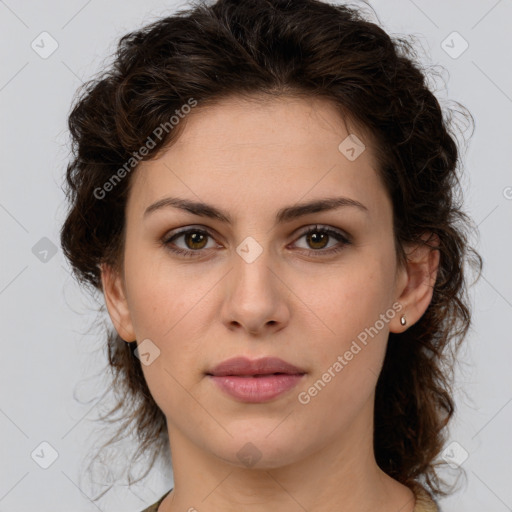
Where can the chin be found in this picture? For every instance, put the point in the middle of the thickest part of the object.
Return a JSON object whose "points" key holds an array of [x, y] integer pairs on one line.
{"points": [[261, 451]]}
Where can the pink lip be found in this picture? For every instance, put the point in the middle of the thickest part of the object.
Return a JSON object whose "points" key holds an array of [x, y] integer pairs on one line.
{"points": [[263, 366], [255, 381]]}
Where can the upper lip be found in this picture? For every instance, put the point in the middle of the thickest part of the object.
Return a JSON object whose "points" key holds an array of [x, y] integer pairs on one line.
{"points": [[262, 366]]}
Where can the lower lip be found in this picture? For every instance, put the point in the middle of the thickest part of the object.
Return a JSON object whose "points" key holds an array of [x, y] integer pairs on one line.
{"points": [[257, 389]]}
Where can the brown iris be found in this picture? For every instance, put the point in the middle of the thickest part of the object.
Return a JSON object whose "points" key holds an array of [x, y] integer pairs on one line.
{"points": [[194, 238], [315, 238]]}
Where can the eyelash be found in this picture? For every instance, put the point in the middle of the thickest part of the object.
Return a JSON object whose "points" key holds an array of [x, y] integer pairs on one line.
{"points": [[310, 252]]}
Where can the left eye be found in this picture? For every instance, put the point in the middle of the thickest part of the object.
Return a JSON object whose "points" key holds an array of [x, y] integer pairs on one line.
{"points": [[316, 237]]}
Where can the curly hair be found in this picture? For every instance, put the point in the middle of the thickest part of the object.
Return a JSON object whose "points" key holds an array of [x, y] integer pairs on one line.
{"points": [[284, 47]]}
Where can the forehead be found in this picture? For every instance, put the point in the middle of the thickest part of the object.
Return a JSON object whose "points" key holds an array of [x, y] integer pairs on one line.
{"points": [[285, 121], [282, 148]]}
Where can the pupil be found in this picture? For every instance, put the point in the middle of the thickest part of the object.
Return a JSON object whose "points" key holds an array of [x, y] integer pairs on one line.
{"points": [[196, 238], [317, 238]]}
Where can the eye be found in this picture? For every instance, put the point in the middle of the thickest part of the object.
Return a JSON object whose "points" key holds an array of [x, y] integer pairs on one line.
{"points": [[195, 240], [317, 238]]}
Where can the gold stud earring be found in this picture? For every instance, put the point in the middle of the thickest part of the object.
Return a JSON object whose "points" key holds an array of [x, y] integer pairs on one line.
{"points": [[403, 321]]}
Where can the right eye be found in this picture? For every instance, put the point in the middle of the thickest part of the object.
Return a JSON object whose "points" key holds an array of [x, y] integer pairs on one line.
{"points": [[195, 241]]}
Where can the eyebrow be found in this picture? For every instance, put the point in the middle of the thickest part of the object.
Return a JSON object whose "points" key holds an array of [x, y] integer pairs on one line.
{"points": [[286, 214]]}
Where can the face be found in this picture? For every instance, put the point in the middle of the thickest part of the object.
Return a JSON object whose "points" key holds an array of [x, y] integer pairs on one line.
{"points": [[199, 290]]}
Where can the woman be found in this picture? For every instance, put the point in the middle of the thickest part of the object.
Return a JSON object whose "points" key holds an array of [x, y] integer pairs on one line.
{"points": [[265, 192]]}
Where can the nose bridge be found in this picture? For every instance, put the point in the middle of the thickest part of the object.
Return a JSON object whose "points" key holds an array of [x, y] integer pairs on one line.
{"points": [[253, 299], [253, 275]]}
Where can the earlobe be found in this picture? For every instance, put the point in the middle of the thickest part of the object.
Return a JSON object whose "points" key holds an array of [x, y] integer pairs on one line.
{"points": [[421, 273], [115, 300]]}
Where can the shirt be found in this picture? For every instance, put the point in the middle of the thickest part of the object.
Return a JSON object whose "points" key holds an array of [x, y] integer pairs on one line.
{"points": [[424, 502]]}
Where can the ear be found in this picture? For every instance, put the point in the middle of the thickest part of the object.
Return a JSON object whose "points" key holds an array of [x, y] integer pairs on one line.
{"points": [[115, 300], [416, 281]]}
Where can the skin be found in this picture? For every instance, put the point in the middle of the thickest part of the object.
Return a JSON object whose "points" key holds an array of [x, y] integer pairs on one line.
{"points": [[252, 157]]}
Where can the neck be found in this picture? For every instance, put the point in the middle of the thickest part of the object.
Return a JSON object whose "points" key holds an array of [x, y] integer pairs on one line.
{"points": [[341, 474]]}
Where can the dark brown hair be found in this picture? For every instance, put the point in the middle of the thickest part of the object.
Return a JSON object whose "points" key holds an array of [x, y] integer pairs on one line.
{"points": [[273, 48]]}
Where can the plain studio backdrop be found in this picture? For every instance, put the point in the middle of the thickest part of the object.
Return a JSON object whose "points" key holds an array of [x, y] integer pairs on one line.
{"points": [[50, 356]]}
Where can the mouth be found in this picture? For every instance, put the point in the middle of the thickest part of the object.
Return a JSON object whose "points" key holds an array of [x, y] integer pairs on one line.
{"points": [[255, 381], [244, 367]]}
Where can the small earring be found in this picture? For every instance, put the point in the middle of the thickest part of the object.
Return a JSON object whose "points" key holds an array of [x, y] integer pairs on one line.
{"points": [[403, 321]]}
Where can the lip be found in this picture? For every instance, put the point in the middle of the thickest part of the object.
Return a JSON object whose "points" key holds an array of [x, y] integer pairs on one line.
{"points": [[255, 381], [243, 366]]}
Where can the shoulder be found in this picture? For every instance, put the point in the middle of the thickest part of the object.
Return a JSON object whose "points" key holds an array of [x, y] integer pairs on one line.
{"points": [[154, 507]]}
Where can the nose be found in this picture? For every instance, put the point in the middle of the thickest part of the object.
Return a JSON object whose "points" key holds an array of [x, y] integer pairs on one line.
{"points": [[255, 297]]}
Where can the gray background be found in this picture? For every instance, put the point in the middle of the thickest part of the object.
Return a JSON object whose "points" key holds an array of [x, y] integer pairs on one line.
{"points": [[50, 350]]}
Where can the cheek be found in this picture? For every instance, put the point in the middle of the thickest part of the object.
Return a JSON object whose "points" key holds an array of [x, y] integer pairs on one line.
{"points": [[159, 294], [166, 308], [169, 306], [352, 313], [351, 298]]}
